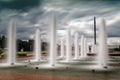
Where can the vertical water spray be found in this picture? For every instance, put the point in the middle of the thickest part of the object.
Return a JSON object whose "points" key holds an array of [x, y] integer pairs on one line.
{"points": [[76, 46], [68, 46], [53, 42], [88, 51], [103, 48], [82, 46], [62, 48], [11, 43], [92, 48], [85, 47], [37, 45]]}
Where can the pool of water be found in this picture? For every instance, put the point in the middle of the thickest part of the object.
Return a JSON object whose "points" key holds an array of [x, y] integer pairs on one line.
{"points": [[71, 71]]}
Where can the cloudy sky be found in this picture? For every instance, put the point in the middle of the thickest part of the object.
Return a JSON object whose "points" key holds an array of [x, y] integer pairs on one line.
{"points": [[77, 14]]}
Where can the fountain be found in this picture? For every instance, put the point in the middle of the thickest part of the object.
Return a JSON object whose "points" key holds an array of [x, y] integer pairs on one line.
{"points": [[53, 42], [94, 48], [85, 47], [62, 48], [11, 43], [82, 47], [68, 46], [88, 51], [37, 46], [102, 55], [102, 46], [76, 46]]}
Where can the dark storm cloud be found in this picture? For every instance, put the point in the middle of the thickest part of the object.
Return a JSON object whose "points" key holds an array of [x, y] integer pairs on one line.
{"points": [[113, 30], [19, 4], [31, 14]]}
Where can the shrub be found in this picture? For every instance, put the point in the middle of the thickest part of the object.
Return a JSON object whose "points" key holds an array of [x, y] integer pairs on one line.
{"points": [[2, 54], [44, 52], [22, 53]]}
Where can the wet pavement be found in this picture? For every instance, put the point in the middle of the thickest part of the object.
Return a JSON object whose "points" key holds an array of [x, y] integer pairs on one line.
{"points": [[71, 71]]}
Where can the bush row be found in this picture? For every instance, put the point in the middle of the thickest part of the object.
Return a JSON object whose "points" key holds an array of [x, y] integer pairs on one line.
{"points": [[21, 53]]}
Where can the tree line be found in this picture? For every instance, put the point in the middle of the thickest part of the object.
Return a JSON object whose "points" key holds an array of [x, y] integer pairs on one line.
{"points": [[22, 45]]}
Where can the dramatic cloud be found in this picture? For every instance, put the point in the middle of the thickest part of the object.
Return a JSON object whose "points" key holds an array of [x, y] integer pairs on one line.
{"points": [[77, 14], [19, 4]]}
